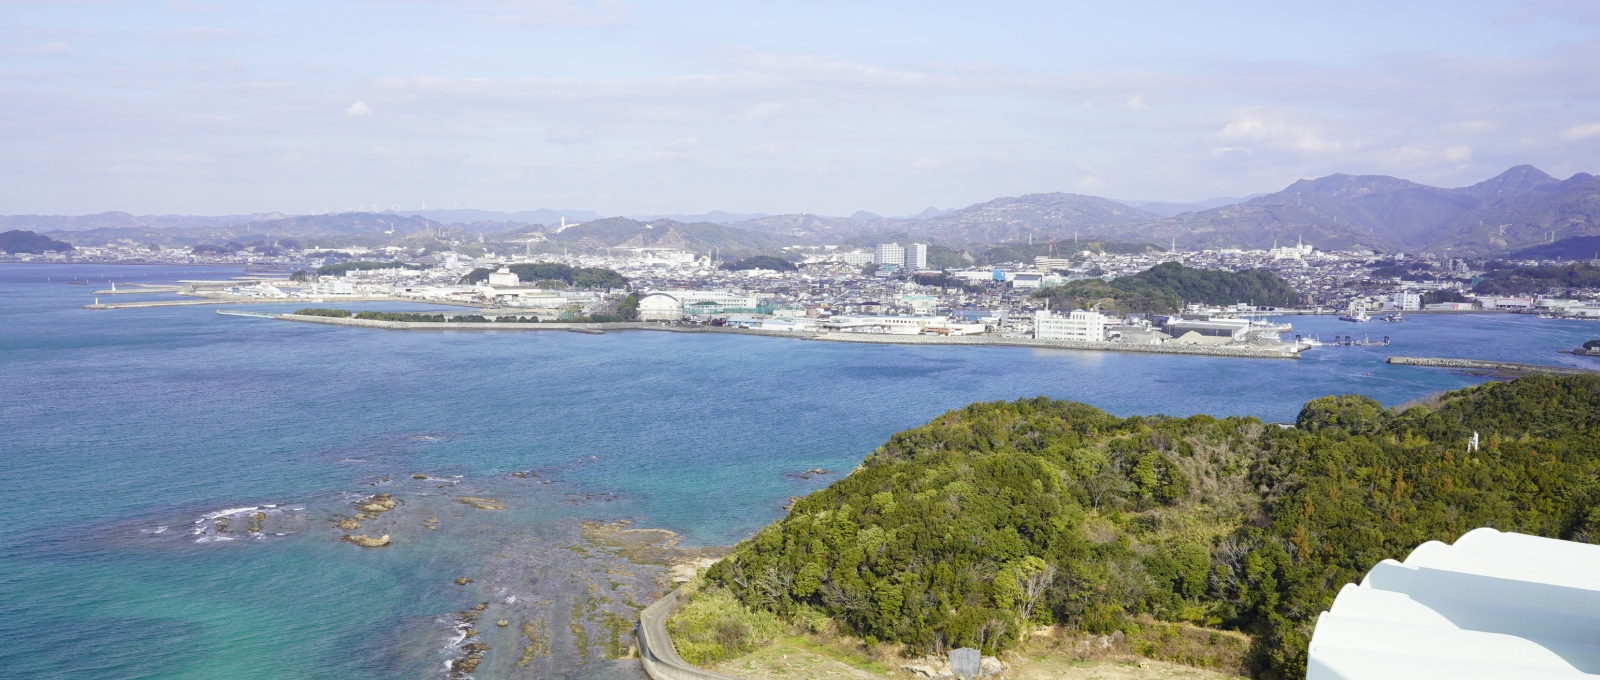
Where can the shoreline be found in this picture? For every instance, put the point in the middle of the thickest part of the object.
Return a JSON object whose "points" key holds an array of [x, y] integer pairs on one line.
{"points": [[601, 328]]}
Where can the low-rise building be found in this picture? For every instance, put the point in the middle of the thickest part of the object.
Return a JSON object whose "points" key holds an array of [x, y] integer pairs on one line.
{"points": [[1080, 324]]}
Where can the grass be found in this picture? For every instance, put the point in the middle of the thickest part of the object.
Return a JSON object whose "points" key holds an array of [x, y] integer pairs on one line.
{"points": [[710, 625]]}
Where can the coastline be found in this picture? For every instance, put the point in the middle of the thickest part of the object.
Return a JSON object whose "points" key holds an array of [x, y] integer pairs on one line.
{"points": [[600, 328]]}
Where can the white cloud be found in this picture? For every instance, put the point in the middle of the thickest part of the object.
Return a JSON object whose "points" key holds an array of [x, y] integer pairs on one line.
{"points": [[358, 109], [769, 149], [190, 6], [1136, 104], [48, 48], [1580, 132], [200, 34], [1274, 129], [1457, 154], [759, 111], [554, 13]]}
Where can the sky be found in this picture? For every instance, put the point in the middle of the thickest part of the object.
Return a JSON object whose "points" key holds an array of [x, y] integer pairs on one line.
{"points": [[643, 107]]}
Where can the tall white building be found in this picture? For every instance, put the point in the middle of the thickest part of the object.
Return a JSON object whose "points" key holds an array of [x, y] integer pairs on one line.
{"points": [[1081, 325], [892, 253], [858, 258], [916, 256], [1405, 301]]}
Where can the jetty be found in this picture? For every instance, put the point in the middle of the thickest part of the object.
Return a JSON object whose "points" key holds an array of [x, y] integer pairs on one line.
{"points": [[1506, 368], [1286, 351]]}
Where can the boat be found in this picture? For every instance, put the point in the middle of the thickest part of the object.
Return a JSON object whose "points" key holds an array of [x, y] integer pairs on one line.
{"points": [[1358, 316], [1395, 317]]}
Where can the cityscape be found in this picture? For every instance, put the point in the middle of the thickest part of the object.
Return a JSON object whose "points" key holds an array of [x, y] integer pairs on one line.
{"points": [[634, 340]]}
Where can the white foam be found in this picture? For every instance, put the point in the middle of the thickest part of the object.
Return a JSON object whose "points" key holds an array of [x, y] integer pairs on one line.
{"points": [[223, 513], [511, 600], [159, 530]]}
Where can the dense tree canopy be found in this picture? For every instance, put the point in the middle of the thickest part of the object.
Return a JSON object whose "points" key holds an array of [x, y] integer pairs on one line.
{"points": [[1166, 287], [576, 277], [1532, 280], [1001, 515], [16, 241], [776, 264]]}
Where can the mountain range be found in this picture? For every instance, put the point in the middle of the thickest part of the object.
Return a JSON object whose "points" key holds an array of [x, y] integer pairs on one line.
{"points": [[1520, 208]]}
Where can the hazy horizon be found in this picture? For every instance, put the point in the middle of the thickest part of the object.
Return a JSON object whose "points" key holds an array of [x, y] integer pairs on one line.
{"points": [[633, 108]]}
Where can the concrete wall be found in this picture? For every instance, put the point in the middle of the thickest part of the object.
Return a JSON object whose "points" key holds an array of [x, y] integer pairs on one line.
{"points": [[656, 653]]}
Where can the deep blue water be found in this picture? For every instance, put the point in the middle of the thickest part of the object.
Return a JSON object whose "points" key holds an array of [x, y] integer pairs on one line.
{"points": [[116, 423]]}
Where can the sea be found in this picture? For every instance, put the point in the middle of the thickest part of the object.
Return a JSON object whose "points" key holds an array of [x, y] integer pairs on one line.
{"points": [[127, 436]]}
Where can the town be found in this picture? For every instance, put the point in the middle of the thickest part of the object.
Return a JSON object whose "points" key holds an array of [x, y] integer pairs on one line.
{"points": [[890, 289]]}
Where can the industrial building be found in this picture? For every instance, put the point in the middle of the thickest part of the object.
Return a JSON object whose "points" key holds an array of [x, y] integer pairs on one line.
{"points": [[1081, 325]]}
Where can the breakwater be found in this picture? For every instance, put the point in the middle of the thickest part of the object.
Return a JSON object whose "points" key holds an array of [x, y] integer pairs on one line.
{"points": [[1192, 350], [216, 299], [1504, 367]]}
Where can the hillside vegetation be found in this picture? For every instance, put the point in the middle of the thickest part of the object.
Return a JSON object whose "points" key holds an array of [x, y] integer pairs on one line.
{"points": [[999, 516], [17, 241], [562, 275], [1164, 288]]}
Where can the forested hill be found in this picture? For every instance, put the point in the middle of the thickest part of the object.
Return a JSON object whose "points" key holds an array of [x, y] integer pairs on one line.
{"points": [[18, 241], [1166, 287], [969, 529]]}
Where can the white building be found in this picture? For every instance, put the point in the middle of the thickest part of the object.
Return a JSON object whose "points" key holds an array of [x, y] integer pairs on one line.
{"points": [[1027, 280], [1405, 301], [674, 304], [892, 253], [1299, 251], [891, 325], [916, 256], [503, 277], [1081, 325]]}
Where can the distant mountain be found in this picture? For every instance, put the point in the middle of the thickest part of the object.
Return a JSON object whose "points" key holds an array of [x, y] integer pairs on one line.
{"points": [[862, 215], [1168, 209], [700, 237], [714, 217], [929, 213], [122, 220], [1391, 214], [469, 216], [1041, 216], [299, 227], [808, 228]]}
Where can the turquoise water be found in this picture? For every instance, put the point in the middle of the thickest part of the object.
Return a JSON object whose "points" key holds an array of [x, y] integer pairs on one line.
{"points": [[118, 423]]}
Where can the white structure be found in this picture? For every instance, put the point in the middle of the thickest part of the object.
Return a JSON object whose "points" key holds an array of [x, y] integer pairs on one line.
{"points": [[916, 256], [858, 258], [674, 304], [891, 325], [891, 253], [1299, 251], [1405, 301], [1048, 263], [1026, 280], [503, 277], [1494, 605], [1081, 325]]}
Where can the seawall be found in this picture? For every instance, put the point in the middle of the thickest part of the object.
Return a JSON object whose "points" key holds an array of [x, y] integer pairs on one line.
{"points": [[1192, 350], [656, 653], [1500, 366]]}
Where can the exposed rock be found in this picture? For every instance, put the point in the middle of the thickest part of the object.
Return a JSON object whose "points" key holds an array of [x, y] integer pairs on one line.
{"points": [[502, 623], [816, 471], [367, 541], [432, 520], [481, 503], [419, 475], [991, 666], [222, 523], [481, 607], [349, 525], [255, 522], [463, 581], [790, 505]]}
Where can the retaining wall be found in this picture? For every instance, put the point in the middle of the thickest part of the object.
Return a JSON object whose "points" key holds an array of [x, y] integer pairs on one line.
{"points": [[656, 653]]}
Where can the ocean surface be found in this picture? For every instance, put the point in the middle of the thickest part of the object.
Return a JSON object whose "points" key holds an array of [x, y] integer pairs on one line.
{"points": [[125, 434]]}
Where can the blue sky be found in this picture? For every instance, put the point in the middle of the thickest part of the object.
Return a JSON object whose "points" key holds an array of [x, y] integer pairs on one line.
{"points": [[628, 107]]}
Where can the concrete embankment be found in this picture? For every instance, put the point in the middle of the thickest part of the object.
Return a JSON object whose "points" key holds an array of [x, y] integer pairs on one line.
{"points": [[1503, 367], [1192, 350], [139, 288], [656, 653], [214, 299]]}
